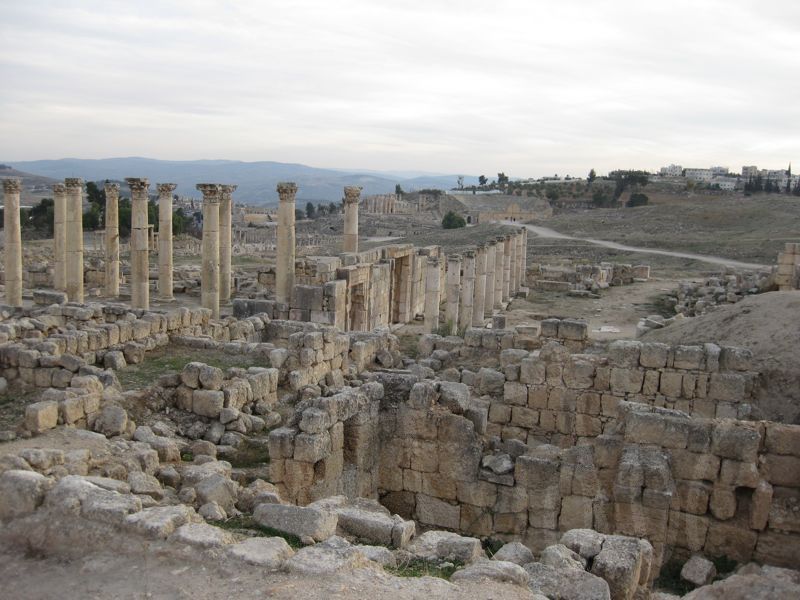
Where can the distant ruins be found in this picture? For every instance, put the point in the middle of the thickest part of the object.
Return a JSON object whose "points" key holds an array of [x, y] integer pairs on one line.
{"points": [[530, 455]]}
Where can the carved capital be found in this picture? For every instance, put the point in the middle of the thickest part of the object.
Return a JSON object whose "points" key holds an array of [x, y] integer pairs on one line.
{"points": [[227, 190], [456, 258], [12, 185], [469, 254], [210, 191], [73, 182], [352, 194], [166, 188], [59, 189], [137, 184], [287, 190], [111, 188]]}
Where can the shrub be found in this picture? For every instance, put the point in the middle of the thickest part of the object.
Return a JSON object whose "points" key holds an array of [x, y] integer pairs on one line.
{"points": [[453, 221], [637, 199]]}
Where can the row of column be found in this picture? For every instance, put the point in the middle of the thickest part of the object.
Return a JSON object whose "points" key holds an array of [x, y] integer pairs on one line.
{"points": [[215, 276], [477, 284]]}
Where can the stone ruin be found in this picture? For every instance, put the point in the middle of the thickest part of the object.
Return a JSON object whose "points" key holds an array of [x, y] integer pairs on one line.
{"points": [[527, 456]]}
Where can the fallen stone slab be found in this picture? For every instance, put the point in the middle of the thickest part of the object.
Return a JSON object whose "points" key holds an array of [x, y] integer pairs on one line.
{"points": [[267, 552], [201, 535], [494, 570], [566, 584], [446, 545], [159, 522], [297, 520], [22, 492], [331, 556], [514, 552]]}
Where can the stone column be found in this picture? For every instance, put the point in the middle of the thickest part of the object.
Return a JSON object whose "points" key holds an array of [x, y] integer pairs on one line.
{"points": [[112, 239], [140, 243], [351, 198], [60, 237], [506, 267], [13, 241], [513, 272], [498, 273], [209, 279], [479, 300], [467, 291], [74, 221], [432, 295], [284, 272], [518, 266], [524, 266], [225, 245], [453, 290], [491, 254], [165, 240]]}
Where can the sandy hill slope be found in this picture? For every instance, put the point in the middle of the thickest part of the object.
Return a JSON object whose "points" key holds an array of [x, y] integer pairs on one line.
{"points": [[769, 325]]}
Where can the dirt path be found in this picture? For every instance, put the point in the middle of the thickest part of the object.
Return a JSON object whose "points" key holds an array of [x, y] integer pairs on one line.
{"points": [[716, 260]]}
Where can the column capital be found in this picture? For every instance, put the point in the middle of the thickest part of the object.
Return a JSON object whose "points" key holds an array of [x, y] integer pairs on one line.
{"points": [[227, 189], [480, 247], [469, 254], [210, 191], [12, 185], [111, 188], [166, 188], [352, 194], [73, 182], [59, 188], [454, 258], [287, 191], [433, 261], [137, 184]]}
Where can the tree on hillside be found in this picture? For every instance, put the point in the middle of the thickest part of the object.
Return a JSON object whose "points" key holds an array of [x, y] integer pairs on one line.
{"points": [[628, 179], [398, 190], [637, 199], [592, 176], [482, 180], [502, 178], [310, 210], [453, 221]]}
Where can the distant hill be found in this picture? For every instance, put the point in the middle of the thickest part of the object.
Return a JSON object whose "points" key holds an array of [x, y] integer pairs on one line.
{"points": [[256, 180], [34, 187]]}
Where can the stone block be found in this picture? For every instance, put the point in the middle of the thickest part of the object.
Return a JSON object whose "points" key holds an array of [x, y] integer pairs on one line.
{"points": [[21, 493], [312, 447], [624, 354], [783, 439], [653, 355], [41, 416], [690, 358], [736, 439], [781, 470], [730, 387], [698, 571], [687, 531], [432, 511], [576, 513], [627, 381], [301, 521], [732, 541], [208, 403]]}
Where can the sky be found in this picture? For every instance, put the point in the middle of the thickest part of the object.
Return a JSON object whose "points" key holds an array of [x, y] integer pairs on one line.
{"points": [[527, 87]]}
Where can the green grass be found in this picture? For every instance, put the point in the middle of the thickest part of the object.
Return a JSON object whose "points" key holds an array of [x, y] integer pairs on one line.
{"points": [[173, 359], [423, 568], [408, 345], [246, 525]]}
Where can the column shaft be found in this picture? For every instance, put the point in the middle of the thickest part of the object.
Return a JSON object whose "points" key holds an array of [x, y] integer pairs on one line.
{"points": [[514, 272], [59, 237], [165, 279], [209, 277], [284, 269], [453, 289], [506, 266], [74, 243], [467, 292], [432, 295], [491, 254], [498, 274], [140, 244], [112, 240], [13, 241], [524, 266], [479, 301], [350, 201], [225, 246]]}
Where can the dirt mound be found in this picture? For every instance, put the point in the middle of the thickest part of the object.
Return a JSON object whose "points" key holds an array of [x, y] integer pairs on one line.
{"points": [[769, 325]]}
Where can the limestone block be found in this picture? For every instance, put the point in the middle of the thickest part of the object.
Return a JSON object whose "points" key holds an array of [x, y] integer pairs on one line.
{"points": [[515, 393], [532, 371], [201, 535], [626, 380], [301, 521], [549, 328], [723, 502], [653, 355], [210, 378], [559, 583], [730, 540], [783, 439], [624, 354], [736, 439], [671, 384], [739, 474], [446, 545], [730, 387], [514, 552], [689, 358], [782, 470], [492, 570], [576, 513], [621, 563], [432, 511], [691, 465], [572, 329], [267, 552], [761, 505], [220, 489], [579, 374], [159, 522], [21, 492], [732, 358], [312, 447], [476, 493], [41, 416], [455, 396], [559, 556], [692, 496], [687, 531], [491, 382], [784, 514], [208, 403]]}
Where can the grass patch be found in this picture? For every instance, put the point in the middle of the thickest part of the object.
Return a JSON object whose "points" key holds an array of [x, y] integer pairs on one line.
{"points": [[408, 345], [172, 359], [246, 524], [13, 404], [249, 454], [423, 568]]}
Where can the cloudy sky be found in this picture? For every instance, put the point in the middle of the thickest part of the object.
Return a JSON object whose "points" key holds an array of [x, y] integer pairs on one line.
{"points": [[529, 87]]}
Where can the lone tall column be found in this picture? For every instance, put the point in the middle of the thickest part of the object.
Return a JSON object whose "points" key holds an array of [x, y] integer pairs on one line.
{"points": [[432, 295], [351, 198], [467, 291], [74, 220], [479, 300], [284, 273], [209, 278], [165, 239], [140, 243], [518, 267], [112, 239], [225, 242], [453, 289], [523, 281], [13, 241], [513, 271], [60, 237], [491, 253], [498, 273], [506, 266]]}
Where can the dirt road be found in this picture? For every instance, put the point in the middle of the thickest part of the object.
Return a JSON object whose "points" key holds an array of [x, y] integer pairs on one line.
{"points": [[716, 260]]}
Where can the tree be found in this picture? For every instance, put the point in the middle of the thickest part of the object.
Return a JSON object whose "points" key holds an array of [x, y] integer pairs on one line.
{"points": [[460, 181], [333, 208], [91, 218], [482, 180], [179, 222], [299, 215], [40, 217], [592, 176], [552, 193], [600, 199], [310, 210], [502, 178], [453, 221], [398, 190], [124, 217], [637, 199]]}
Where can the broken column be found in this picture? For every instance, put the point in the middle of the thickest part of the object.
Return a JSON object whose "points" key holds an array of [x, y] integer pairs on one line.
{"points": [[506, 267], [498, 272], [59, 237], [453, 292], [13, 241], [479, 298], [351, 198], [140, 243], [225, 243], [467, 291], [74, 221], [432, 294], [284, 271], [112, 239], [491, 254], [209, 277], [165, 240]]}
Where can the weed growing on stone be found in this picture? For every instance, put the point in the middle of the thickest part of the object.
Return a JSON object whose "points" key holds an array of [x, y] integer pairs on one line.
{"points": [[424, 568]]}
